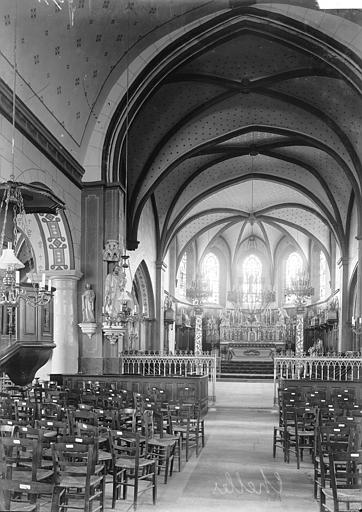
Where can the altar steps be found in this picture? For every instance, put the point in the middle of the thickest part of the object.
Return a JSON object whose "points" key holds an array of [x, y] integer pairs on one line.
{"points": [[245, 370]]}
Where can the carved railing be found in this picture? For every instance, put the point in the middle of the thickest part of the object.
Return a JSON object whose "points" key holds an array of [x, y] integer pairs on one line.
{"points": [[328, 368], [171, 365]]}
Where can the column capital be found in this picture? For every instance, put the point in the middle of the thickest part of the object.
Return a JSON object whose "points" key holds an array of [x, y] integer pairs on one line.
{"points": [[64, 275], [342, 262], [161, 265]]}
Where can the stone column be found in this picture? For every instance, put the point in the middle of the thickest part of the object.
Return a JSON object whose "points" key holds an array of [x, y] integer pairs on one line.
{"points": [[299, 333], [345, 334], [66, 331], [198, 334], [160, 329]]}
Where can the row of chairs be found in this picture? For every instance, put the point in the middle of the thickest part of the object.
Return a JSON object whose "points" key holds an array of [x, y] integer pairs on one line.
{"points": [[132, 445], [331, 431]]}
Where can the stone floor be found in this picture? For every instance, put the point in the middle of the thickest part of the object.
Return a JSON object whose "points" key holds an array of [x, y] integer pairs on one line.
{"points": [[235, 471]]}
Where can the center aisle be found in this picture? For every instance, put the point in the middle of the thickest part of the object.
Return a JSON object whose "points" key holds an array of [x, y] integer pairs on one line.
{"points": [[236, 471]]}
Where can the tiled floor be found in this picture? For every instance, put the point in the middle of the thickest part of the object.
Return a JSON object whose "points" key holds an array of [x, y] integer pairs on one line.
{"points": [[235, 471]]}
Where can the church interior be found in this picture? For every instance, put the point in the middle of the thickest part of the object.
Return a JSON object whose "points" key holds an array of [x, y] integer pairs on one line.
{"points": [[181, 208]]}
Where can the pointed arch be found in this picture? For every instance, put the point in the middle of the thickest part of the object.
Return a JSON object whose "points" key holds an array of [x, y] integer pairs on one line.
{"points": [[144, 292]]}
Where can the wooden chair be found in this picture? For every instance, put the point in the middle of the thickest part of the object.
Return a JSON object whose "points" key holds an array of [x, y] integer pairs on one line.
{"points": [[27, 496], [345, 482], [341, 437], [80, 486], [163, 430], [83, 416], [100, 438], [24, 457], [299, 433], [161, 449], [187, 427], [130, 469]]}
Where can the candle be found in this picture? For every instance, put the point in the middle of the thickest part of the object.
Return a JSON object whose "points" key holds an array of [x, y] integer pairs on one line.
{"points": [[43, 280], [17, 277], [49, 285]]}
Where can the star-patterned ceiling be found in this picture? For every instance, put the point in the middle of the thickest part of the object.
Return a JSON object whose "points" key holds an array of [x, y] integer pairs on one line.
{"points": [[241, 120]]}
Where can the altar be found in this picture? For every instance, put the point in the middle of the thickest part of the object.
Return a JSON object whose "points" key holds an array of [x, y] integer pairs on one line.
{"points": [[244, 351], [257, 334]]}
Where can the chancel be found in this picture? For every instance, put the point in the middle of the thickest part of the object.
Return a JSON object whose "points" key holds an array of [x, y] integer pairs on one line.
{"points": [[180, 248]]}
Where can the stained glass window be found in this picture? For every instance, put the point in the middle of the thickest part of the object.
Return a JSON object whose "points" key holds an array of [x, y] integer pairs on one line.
{"points": [[211, 273], [181, 277], [294, 266], [252, 271]]}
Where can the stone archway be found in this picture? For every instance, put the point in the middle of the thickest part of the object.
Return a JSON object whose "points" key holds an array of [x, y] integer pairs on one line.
{"points": [[144, 292]]}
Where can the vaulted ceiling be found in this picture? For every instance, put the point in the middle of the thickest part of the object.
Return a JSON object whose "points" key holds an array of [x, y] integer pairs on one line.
{"points": [[243, 121]]}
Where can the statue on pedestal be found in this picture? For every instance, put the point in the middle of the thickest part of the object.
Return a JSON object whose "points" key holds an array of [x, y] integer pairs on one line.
{"points": [[88, 299], [114, 291]]}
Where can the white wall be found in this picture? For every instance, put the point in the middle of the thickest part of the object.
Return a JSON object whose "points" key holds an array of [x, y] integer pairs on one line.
{"points": [[31, 165]]}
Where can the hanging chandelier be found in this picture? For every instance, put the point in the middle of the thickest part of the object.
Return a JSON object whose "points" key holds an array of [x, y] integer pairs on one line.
{"points": [[300, 289], [120, 313], [251, 302], [198, 292]]}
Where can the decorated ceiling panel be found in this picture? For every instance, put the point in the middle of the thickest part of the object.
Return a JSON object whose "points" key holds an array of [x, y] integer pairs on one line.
{"points": [[253, 138], [168, 106], [66, 51], [249, 55], [234, 169], [231, 115], [308, 222], [195, 227], [325, 94], [169, 189], [252, 196], [334, 178]]}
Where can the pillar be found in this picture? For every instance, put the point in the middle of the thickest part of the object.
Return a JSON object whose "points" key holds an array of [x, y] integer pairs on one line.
{"points": [[345, 333], [160, 329], [333, 263], [198, 334], [299, 333], [66, 331]]}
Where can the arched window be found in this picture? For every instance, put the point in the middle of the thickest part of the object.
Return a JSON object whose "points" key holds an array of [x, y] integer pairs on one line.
{"points": [[252, 271], [181, 277], [294, 266], [322, 276], [211, 272]]}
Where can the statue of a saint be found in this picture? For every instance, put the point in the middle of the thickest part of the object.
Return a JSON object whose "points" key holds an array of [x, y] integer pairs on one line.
{"points": [[114, 292], [88, 299]]}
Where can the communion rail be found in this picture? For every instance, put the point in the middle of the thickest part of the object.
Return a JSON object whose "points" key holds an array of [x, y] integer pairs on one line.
{"points": [[317, 368], [171, 365]]}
